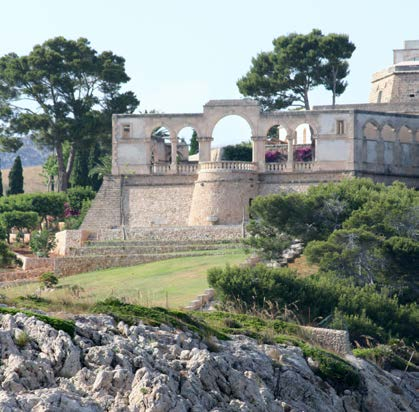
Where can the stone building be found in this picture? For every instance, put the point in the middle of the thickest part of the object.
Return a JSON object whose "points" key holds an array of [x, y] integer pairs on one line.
{"points": [[153, 185]]}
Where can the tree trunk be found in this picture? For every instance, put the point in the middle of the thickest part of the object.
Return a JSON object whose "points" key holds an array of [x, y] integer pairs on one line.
{"points": [[334, 74], [306, 102], [61, 178]]}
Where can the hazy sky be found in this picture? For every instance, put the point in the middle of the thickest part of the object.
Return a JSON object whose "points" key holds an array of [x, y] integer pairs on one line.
{"points": [[182, 53]]}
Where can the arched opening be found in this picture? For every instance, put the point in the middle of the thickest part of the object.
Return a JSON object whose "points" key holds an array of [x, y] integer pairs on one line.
{"points": [[388, 133], [370, 131], [276, 145], [405, 134], [160, 145], [188, 146], [232, 139], [303, 149]]}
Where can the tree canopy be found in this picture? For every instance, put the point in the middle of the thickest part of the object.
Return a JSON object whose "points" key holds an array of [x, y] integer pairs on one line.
{"points": [[62, 92], [355, 229], [298, 63]]}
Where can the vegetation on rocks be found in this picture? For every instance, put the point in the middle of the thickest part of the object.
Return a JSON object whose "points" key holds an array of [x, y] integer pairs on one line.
{"points": [[59, 324]]}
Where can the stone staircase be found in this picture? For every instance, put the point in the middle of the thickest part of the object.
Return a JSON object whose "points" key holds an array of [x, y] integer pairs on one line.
{"points": [[94, 255], [112, 248]]}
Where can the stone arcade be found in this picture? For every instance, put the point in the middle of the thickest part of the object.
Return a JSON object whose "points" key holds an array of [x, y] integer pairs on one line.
{"points": [[152, 187]]}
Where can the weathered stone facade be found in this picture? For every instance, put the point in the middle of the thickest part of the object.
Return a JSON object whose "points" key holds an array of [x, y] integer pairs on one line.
{"points": [[152, 189]]}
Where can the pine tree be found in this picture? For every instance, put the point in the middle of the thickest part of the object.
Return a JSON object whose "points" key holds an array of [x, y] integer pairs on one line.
{"points": [[1, 184], [194, 145], [16, 178]]}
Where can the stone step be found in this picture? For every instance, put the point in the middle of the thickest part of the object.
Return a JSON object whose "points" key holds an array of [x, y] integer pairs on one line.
{"points": [[125, 249], [133, 243]]}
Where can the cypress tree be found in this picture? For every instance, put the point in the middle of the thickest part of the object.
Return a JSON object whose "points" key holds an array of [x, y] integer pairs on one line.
{"points": [[16, 178], [79, 175], [194, 145], [95, 181], [1, 184]]}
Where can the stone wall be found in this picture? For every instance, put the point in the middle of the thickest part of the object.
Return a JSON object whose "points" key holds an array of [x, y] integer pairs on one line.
{"points": [[32, 262], [331, 339], [157, 205], [187, 233], [105, 211], [222, 197], [68, 239], [71, 265]]}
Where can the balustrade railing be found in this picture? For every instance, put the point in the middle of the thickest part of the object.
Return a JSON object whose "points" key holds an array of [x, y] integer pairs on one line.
{"points": [[160, 169], [275, 167], [303, 165], [187, 168], [228, 166]]}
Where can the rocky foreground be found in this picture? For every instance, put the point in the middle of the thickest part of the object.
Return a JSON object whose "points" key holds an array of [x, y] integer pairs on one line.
{"points": [[115, 367]]}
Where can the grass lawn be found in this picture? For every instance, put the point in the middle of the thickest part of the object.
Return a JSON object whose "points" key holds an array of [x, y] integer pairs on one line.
{"points": [[180, 280]]}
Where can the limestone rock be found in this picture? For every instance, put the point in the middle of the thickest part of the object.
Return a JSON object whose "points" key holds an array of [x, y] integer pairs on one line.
{"points": [[121, 368]]}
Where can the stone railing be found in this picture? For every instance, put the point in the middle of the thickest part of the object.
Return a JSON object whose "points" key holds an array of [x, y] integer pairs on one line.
{"points": [[276, 167], [161, 169], [303, 166], [187, 168], [242, 166]]}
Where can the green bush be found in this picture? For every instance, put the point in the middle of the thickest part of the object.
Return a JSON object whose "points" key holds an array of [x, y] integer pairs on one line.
{"points": [[7, 257], [48, 280], [238, 152], [78, 194], [19, 220], [362, 310], [42, 242]]}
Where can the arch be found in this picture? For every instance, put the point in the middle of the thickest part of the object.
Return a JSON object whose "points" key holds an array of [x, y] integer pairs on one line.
{"points": [[160, 146], [229, 125], [388, 132], [212, 124], [277, 133], [405, 134], [304, 143], [184, 137], [370, 130]]}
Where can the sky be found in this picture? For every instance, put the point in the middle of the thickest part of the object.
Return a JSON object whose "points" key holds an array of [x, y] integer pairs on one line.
{"points": [[182, 53]]}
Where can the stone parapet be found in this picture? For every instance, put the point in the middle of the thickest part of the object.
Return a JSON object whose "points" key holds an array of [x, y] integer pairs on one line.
{"points": [[331, 339]]}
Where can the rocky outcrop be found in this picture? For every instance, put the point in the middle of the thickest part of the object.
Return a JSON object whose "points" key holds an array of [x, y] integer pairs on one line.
{"points": [[111, 366]]}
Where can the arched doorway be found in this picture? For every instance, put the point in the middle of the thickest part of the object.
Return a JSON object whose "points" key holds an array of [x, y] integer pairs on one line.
{"points": [[303, 149], [232, 139], [187, 147], [276, 148]]}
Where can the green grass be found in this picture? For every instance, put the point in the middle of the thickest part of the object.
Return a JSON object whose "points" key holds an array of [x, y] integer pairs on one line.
{"points": [[179, 279]]}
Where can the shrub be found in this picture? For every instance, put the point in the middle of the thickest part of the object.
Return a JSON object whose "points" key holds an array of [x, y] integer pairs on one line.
{"points": [[7, 257], [78, 194], [42, 242], [19, 220], [365, 310], [21, 339], [48, 280], [239, 152]]}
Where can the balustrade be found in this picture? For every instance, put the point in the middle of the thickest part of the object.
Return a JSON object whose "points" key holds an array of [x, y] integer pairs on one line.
{"points": [[228, 166]]}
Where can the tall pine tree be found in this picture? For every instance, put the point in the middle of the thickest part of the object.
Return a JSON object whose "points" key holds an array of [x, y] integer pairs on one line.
{"points": [[1, 184], [16, 178]]}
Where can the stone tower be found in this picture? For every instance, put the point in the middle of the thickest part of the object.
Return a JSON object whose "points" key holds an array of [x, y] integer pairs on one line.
{"points": [[398, 83]]}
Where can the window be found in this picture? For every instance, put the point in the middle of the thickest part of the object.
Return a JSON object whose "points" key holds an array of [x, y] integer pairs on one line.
{"points": [[340, 127], [126, 129], [379, 97]]}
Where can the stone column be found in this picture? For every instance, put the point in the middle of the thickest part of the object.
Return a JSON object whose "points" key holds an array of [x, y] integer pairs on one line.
{"points": [[205, 149], [173, 146], [258, 152], [290, 160], [380, 153], [148, 148]]}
